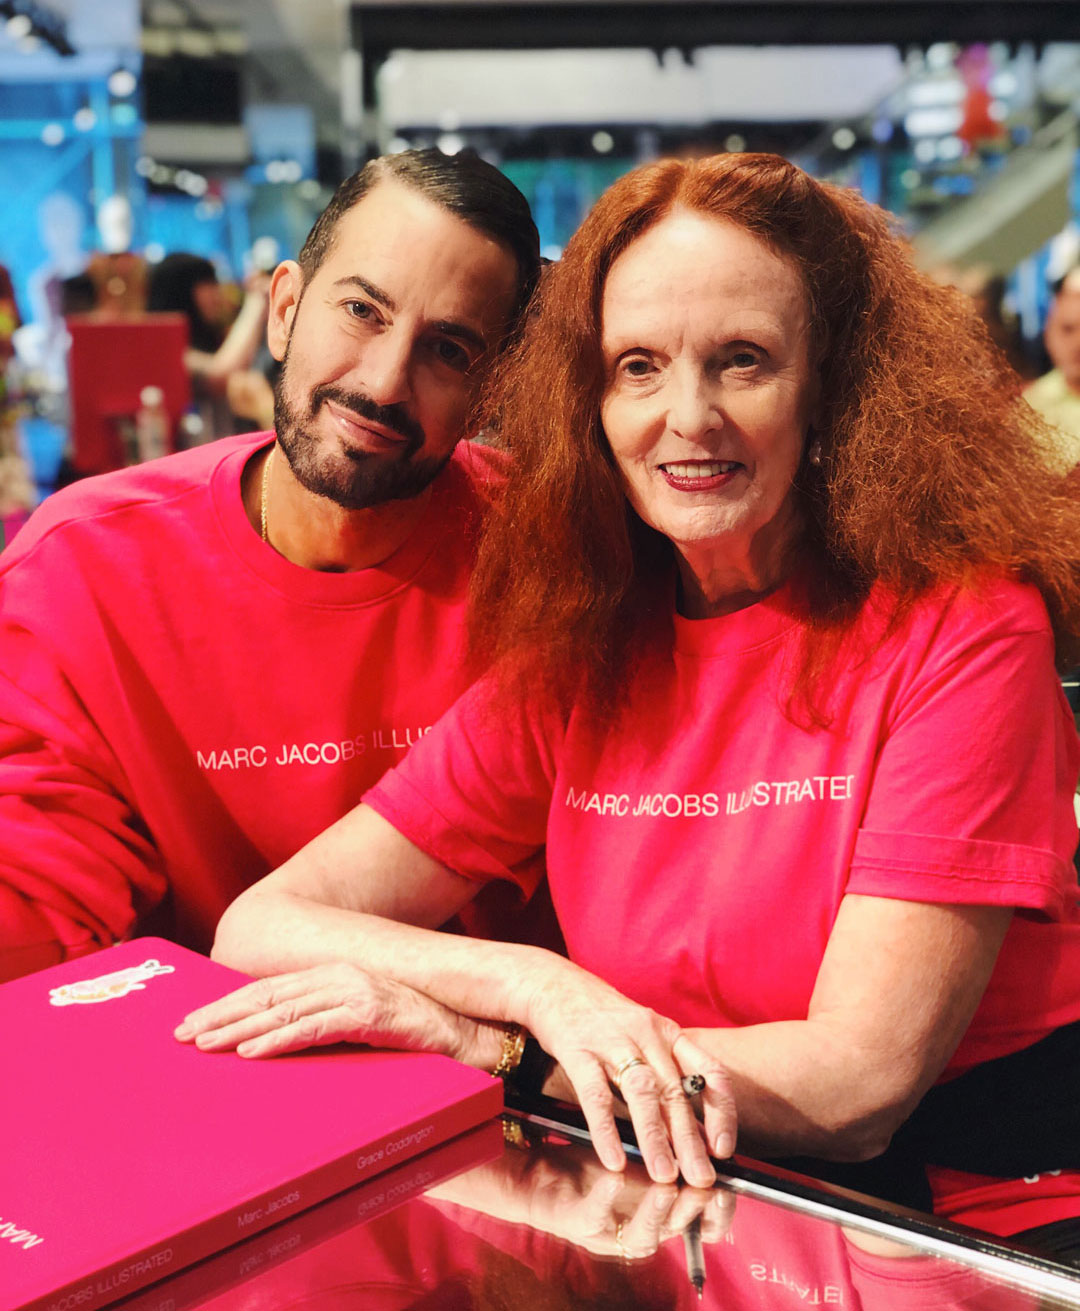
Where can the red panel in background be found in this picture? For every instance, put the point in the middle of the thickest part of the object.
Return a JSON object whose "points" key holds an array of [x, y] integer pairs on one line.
{"points": [[109, 363]]}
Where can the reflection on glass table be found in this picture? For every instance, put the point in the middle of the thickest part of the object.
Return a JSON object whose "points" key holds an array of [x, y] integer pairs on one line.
{"points": [[538, 1223]]}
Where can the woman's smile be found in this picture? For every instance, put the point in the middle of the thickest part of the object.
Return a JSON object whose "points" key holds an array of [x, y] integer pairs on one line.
{"points": [[699, 475]]}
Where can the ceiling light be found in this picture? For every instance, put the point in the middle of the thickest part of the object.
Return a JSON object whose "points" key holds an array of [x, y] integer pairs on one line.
{"points": [[939, 122], [122, 82]]}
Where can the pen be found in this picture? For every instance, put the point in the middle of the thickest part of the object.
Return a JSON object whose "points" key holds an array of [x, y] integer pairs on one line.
{"points": [[695, 1255], [693, 1085]]}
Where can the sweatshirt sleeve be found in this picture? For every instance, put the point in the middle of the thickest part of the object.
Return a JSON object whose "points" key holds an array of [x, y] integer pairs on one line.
{"points": [[76, 866]]}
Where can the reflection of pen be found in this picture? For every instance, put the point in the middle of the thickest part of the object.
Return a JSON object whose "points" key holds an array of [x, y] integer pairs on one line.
{"points": [[695, 1255]]}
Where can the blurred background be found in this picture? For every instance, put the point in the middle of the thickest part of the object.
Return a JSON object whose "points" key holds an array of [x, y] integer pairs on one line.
{"points": [[162, 157]]}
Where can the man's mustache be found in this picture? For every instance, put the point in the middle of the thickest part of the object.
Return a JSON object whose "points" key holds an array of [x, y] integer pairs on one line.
{"points": [[393, 417]]}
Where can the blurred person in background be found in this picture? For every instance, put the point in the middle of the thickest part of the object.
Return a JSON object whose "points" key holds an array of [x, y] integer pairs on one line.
{"points": [[774, 597], [118, 272], [205, 658], [1056, 395], [62, 230], [188, 285]]}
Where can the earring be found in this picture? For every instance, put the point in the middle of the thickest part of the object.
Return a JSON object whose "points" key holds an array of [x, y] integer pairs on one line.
{"points": [[814, 453]]}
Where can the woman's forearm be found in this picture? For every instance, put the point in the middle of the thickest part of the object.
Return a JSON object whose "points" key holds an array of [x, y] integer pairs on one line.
{"points": [[803, 1089], [895, 993], [270, 931], [362, 893]]}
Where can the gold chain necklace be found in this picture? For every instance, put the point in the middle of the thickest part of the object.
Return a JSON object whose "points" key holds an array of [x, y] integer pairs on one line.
{"points": [[264, 494]]}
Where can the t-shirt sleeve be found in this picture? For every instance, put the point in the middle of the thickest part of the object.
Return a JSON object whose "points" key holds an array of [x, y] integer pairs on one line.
{"points": [[474, 793], [971, 800]]}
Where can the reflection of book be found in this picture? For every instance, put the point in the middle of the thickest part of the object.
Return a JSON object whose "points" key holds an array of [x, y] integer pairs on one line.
{"points": [[256, 1263], [129, 1155]]}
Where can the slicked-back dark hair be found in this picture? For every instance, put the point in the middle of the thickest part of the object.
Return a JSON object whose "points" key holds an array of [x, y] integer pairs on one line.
{"points": [[464, 184]]}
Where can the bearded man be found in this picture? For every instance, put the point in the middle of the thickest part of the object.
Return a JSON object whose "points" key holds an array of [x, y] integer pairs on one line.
{"points": [[206, 659]]}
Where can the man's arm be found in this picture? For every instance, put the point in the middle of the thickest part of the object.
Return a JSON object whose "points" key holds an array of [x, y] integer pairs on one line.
{"points": [[76, 866]]}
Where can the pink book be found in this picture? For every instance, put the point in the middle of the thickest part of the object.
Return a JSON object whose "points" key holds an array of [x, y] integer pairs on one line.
{"points": [[278, 1267], [128, 1155]]}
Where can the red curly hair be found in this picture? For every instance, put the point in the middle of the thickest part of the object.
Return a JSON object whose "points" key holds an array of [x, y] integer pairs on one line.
{"points": [[932, 469]]}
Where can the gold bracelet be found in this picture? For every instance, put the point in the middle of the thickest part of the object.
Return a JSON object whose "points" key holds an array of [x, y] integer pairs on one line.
{"points": [[514, 1135], [513, 1046]]}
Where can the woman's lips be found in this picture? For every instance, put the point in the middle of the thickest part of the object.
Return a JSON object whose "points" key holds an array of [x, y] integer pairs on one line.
{"points": [[699, 475]]}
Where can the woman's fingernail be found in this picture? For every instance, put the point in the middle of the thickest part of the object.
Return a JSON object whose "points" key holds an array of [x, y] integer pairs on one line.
{"points": [[182, 1031], [665, 1169]]}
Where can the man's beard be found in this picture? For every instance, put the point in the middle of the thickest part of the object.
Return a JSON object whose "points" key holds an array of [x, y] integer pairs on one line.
{"points": [[355, 480]]}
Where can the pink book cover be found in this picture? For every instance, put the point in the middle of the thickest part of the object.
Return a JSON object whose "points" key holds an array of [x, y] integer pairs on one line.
{"points": [[277, 1267], [128, 1155]]}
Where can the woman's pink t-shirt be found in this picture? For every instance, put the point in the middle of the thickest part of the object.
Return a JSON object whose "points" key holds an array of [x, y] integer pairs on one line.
{"points": [[698, 848]]}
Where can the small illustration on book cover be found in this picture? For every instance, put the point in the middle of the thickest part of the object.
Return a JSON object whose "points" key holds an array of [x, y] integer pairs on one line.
{"points": [[107, 987]]}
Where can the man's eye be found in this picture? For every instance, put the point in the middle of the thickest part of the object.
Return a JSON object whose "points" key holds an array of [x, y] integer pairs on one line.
{"points": [[451, 353], [358, 309], [744, 359]]}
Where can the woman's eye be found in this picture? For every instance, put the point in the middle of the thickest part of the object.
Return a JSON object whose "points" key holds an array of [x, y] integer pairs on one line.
{"points": [[744, 359], [637, 367]]}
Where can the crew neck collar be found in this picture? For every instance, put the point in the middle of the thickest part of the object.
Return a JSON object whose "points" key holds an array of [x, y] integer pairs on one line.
{"points": [[313, 586], [741, 630]]}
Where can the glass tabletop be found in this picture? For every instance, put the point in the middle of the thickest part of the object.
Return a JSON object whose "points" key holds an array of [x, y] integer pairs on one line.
{"points": [[524, 1216]]}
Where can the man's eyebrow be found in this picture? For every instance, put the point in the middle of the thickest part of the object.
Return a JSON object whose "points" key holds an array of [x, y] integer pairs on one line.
{"points": [[369, 288], [460, 331]]}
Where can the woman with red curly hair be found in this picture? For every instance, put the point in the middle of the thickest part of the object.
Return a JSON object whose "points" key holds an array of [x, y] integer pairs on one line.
{"points": [[773, 597]]}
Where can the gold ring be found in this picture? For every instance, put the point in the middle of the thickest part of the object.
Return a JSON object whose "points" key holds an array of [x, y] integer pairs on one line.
{"points": [[624, 1255], [628, 1064]]}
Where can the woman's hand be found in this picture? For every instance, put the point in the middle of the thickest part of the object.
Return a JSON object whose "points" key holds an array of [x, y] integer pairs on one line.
{"points": [[602, 1040], [566, 1192], [625, 1215], [337, 1003]]}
